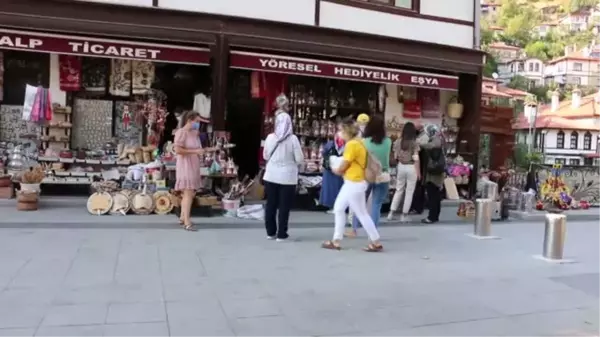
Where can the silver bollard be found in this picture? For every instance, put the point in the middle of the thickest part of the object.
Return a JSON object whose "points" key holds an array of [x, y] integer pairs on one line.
{"points": [[554, 236], [483, 217]]}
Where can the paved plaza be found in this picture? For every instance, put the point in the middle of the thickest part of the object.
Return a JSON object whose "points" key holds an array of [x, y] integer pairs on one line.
{"points": [[430, 281]]}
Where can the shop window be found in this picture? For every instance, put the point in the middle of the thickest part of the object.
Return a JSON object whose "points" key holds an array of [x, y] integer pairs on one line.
{"points": [[588, 161], [561, 161], [560, 140], [574, 140], [587, 141], [22, 68], [574, 162]]}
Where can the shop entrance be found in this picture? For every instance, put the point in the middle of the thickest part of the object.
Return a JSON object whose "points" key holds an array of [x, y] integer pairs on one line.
{"points": [[95, 107]]}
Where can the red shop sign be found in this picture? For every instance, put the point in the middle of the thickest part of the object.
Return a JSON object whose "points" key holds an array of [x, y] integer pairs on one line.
{"points": [[317, 68], [76, 45]]}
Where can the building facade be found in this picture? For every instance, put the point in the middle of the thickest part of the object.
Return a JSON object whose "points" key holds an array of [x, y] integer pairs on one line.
{"points": [[530, 68], [575, 68]]}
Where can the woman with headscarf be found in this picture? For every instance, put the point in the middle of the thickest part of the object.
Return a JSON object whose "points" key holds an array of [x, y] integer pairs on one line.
{"points": [[434, 171], [332, 183], [283, 154]]}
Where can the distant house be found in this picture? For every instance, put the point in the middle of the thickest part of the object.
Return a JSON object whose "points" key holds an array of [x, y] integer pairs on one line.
{"points": [[545, 28], [575, 68], [490, 9], [567, 132], [503, 52], [530, 68], [494, 93], [574, 22]]}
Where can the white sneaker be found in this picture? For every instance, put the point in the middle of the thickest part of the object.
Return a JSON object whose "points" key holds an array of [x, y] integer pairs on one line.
{"points": [[390, 216], [404, 218], [281, 240], [270, 238]]}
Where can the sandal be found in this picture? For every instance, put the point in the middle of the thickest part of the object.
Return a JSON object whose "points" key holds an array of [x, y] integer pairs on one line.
{"points": [[181, 223], [373, 248], [331, 245], [190, 228]]}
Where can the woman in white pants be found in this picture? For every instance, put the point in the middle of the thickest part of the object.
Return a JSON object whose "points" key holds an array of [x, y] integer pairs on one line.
{"points": [[406, 150], [352, 193]]}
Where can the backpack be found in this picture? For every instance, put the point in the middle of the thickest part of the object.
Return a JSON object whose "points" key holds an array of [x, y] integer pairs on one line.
{"points": [[373, 168], [436, 164]]}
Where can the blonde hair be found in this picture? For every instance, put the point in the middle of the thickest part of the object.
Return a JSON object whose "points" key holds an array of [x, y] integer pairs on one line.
{"points": [[186, 117], [350, 128]]}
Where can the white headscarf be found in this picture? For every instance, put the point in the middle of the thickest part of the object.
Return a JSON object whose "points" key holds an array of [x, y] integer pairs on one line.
{"points": [[283, 126]]}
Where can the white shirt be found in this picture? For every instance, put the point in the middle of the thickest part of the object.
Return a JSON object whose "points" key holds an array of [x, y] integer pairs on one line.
{"points": [[202, 105], [282, 165]]}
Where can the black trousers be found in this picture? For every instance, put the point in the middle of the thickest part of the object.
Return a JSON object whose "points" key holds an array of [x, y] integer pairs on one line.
{"points": [[434, 197], [418, 201], [280, 199]]}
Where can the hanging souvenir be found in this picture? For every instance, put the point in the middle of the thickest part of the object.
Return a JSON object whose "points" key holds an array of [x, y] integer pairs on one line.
{"points": [[120, 77], [412, 109], [29, 101], [1, 76], [430, 103], [142, 76], [70, 72], [126, 117], [93, 74]]}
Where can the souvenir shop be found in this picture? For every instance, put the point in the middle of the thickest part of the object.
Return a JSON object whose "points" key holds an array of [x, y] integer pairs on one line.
{"points": [[322, 93], [237, 66], [99, 112]]}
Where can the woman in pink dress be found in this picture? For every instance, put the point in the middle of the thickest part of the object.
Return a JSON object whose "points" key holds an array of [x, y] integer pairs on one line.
{"points": [[188, 149]]}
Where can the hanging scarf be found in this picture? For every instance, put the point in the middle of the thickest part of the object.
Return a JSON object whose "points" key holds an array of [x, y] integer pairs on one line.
{"points": [[120, 77], [339, 144], [70, 72], [283, 126], [142, 76], [1, 76], [93, 74], [29, 101], [37, 105]]}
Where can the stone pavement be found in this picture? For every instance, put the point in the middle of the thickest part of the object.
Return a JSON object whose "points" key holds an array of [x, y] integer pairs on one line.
{"points": [[430, 281]]}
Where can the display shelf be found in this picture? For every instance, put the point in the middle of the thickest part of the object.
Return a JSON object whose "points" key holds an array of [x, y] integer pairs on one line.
{"points": [[85, 161]]}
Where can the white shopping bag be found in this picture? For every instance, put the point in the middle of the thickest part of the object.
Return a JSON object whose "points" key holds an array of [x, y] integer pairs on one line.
{"points": [[335, 162]]}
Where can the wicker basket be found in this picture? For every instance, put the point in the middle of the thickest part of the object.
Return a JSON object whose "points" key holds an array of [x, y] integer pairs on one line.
{"points": [[455, 108], [27, 197], [27, 206]]}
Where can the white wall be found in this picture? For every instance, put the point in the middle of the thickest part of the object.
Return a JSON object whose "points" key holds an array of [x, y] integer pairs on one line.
{"points": [[333, 15], [455, 9], [57, 95], [300, 12], [392, 25], [551, 141]]}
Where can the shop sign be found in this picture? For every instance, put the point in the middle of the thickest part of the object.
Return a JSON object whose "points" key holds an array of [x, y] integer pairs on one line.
{"points": [[308, 67], [75, 45]]}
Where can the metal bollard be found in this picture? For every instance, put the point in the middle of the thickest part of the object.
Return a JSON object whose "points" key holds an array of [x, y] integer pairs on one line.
{"points": [[554, 236], [483, 217]]}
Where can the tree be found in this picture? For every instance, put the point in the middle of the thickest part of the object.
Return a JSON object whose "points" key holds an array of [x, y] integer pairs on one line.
{"points": [[537, 49], [519, 82], [491, 66], [576, 5], [518, 20]]}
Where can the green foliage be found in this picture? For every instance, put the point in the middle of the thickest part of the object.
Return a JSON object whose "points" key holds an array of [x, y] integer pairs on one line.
{"points": [[519, 82], [518, 21], [523, 159], [576, 5], [491, 66]]}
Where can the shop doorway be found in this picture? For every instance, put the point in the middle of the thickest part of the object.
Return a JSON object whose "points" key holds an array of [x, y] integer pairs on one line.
{"points": [[244, 122]]}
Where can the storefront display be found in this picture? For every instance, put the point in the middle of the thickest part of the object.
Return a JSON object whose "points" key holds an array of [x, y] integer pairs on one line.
{"points": [[127, 93]]}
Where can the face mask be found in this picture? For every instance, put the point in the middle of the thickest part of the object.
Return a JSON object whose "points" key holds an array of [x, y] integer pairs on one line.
{"points": [[196, 126]]}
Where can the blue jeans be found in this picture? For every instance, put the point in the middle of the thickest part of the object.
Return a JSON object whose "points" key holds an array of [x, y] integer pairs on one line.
{"points": [[379, 192]]}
